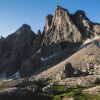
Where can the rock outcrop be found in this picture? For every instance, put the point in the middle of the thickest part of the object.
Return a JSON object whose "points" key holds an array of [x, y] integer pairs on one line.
{"points": [[70, 71], [21, 89], [16, 48], [94, 90], [61, 28], [86, 27]]}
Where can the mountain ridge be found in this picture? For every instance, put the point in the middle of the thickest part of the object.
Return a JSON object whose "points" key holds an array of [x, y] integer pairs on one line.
{"points": [[62, 62], [26, 51]]}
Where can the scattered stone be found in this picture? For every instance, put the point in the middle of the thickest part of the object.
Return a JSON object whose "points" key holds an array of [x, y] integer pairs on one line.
{"points": [[94, 90]]}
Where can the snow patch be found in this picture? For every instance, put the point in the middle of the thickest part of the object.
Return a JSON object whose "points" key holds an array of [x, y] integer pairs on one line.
{"points": [[3, 76], [86, 42], [99, 43], [44, 59], [90, 40], [37, 52], [16, 76]]}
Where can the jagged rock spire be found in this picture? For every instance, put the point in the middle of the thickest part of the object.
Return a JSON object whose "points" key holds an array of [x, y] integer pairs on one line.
{"points": [[61, 27], [48, 22]]}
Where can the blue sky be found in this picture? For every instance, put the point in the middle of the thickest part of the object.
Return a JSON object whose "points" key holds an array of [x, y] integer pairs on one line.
{"points": [[14, 13]]}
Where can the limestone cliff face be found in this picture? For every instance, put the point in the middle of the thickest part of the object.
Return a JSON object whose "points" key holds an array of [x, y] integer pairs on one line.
{"points": [[73, 28], [61, 28]]}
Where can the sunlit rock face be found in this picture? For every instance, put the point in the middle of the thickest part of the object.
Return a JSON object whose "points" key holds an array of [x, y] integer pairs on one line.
{"points": [[96, 29], [62, 28], [48, 22]]}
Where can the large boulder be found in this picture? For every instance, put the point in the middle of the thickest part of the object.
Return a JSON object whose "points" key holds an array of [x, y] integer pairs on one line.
{"points": [[70, 71]]}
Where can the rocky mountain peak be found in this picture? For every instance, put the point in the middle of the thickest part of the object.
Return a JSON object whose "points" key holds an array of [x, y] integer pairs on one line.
{"points": [[55, 19], [61, 27], [60, 10], [65, 53], [86, 27], [80, 12], [60, 15], [63, 34], [24, 29]]}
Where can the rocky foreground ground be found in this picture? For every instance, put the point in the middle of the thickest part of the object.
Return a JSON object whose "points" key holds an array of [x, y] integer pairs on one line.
{"points": [[45, 89]]}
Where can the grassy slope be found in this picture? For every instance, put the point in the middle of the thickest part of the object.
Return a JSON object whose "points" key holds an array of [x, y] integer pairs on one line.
{"points": [[75, 93]]}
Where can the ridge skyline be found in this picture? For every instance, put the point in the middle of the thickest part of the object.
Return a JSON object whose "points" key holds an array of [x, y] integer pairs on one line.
{"points": [[36, 17]]}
